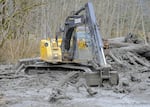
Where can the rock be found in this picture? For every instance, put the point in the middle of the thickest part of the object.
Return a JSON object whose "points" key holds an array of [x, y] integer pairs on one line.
{"points": [[91, 92], [125, 83], [134, 78], [121, 90], [57, 94], [142, 87]]}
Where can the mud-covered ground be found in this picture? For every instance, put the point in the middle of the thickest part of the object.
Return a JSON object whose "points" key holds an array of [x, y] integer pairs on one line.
{"points": [[34, 91], [133, 90]]}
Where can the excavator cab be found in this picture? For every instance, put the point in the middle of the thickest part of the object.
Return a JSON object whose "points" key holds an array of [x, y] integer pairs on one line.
{"points": [[84, 44]]}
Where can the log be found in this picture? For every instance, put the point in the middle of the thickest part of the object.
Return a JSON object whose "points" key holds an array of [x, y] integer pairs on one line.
{"points": [[137, 48], [118, 43], [7, 73], [115, 59], [139, 60], [132, 60], [13, 77], [143, 50]]}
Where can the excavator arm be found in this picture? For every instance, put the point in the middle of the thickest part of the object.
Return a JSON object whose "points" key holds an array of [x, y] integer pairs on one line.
{"points": [[71, 23], [95, 35], [84, 16]]}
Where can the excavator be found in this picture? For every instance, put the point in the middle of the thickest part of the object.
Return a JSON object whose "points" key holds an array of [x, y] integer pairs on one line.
{"points": [[77, 47]]}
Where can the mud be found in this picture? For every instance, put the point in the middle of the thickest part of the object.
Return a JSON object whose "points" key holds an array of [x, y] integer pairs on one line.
{"points": [[34, 90]]}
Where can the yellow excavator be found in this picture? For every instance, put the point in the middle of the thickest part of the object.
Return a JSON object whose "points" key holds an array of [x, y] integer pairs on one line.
{"points": [[77, 47]]}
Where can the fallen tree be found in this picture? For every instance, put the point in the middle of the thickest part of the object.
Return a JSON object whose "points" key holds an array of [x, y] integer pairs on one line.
{"points": [[131, 56]]}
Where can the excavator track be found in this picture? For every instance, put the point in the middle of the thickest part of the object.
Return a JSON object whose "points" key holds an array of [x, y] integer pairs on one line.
{"points": [[93, 77], [31, 69]]}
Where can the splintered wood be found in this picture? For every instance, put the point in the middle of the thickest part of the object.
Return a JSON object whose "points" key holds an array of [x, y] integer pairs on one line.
{"points": [[132, 56]]}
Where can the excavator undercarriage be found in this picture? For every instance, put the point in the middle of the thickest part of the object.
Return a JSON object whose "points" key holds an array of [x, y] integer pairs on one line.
{"points": [[93, 76]]}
